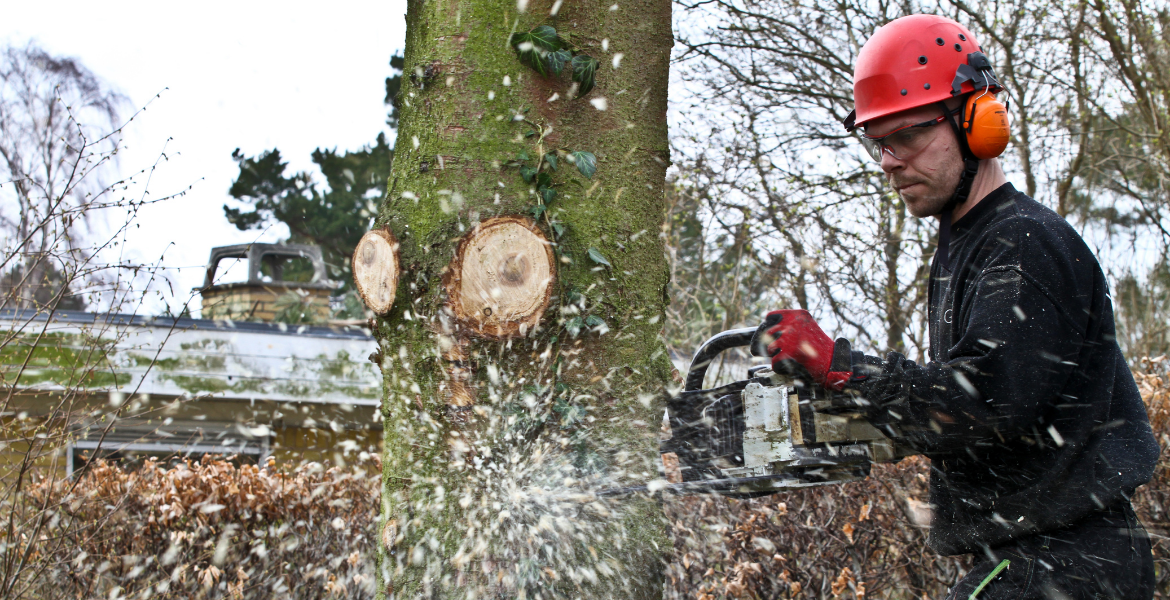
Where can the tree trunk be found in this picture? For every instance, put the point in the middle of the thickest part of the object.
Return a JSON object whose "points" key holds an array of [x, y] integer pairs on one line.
{"points": [[522, 359]]}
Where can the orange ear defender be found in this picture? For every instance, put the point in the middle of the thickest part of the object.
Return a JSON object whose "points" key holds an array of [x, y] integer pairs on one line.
{"points": [[985, 122]]}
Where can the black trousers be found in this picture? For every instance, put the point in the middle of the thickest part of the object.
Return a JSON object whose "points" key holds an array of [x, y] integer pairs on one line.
{"points": [[1106, 555]]}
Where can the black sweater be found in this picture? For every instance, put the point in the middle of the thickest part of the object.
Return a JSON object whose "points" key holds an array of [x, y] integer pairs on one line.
{"points": [[1027, 409]]}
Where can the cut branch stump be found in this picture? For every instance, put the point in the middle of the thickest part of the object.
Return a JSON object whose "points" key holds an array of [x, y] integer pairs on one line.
{"points": [[500, 281], [376, 269]]}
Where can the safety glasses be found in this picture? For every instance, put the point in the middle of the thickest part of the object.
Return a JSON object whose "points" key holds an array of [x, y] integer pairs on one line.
{"points": [[904, 142]]}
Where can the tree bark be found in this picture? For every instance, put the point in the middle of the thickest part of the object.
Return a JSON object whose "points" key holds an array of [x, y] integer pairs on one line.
{"points": [[500, 425]]}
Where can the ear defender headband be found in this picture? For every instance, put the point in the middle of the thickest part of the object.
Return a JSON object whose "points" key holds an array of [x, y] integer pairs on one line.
{"points": [[984, 118]]}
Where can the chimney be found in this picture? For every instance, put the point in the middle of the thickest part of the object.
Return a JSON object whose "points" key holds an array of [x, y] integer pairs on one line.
{"points": [[256, 298]]}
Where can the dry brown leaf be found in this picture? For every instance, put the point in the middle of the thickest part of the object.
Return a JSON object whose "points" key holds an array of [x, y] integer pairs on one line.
{"points": [[210, 576], [842, 582]]}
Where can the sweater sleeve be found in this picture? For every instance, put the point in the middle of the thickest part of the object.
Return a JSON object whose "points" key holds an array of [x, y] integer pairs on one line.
{"points": [[1011, 365]]}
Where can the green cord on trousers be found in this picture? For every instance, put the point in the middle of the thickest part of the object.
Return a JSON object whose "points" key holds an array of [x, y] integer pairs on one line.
{"points": [[986, 580]]}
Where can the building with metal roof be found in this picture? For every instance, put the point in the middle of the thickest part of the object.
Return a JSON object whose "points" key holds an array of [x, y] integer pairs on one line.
{"points": [[127, 387]]}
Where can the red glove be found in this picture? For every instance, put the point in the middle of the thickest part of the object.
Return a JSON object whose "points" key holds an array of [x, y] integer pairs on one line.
{"points": [[793, 336]]}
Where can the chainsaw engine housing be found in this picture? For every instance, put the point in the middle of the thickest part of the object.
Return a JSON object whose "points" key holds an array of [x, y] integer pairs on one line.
{"points": [[763, 435]]}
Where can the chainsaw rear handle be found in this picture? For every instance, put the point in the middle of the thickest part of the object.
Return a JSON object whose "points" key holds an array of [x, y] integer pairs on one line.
{"points": [[735, 338]]}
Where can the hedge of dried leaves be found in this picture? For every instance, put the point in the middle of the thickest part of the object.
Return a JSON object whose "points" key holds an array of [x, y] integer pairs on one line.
{"points": [[853, 540], [215, 530], [207, 530], [1153, 499], [860, 539]]}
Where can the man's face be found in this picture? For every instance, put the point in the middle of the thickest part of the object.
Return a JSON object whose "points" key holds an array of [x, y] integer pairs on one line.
{"points": [[927, 180]]}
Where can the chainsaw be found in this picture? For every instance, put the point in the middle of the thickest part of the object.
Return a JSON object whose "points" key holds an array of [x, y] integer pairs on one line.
{"points": [[761, 435]]}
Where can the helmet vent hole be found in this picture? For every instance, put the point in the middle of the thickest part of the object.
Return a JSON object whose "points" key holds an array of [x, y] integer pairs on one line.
{"points": [[939, 41], [962, 38], [922, 60], [903, 92], [926, 86], [958, 48]]}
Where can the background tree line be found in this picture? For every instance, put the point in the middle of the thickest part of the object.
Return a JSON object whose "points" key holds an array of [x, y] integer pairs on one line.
{"points": [[776, 206]]}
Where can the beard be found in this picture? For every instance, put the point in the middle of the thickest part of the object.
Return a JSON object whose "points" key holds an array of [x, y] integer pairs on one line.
{"points": [[927, 193], [922, 199]]}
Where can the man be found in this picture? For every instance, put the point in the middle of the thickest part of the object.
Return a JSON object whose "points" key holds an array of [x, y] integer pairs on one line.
{"points": [[1035, 429]]}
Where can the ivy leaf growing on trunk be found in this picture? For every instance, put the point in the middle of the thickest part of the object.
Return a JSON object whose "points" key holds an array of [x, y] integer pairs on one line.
{"points": [[599, 258], [586, 162], [584, 73], [557, 60], [534, 48]]}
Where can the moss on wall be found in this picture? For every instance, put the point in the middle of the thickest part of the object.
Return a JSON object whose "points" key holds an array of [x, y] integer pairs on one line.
{"points": [[69, 360], [199, 369]]}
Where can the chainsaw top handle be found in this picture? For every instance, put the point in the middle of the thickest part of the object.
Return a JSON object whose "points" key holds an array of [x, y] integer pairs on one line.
{"points": [[734, 338]]}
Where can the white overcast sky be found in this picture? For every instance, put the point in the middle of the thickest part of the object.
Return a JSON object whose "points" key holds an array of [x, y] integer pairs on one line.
{"points": [[248, 74]]}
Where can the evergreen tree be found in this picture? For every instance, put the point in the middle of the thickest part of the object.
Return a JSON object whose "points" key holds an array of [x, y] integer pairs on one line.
{"points": [[332, 215]]}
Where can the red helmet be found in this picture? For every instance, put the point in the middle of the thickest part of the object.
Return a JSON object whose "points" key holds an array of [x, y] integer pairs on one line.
{"points": [[915, 61]]}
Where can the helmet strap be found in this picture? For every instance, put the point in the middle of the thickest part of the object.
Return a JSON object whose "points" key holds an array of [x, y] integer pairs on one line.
{"points": [[970, 170]]}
